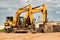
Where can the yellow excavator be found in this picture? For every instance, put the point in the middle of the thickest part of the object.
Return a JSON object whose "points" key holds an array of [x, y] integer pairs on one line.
{"points": [[26, 23], [36, 10], [12, 24], [29, 19]]}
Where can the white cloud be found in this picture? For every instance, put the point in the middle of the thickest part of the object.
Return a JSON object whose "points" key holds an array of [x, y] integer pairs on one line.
{"points": [[24, 0], [7, 5], [1, 27], [50, 9], [58, 12], [14, 4], [49, 0], [57, 6], [27, 0]]}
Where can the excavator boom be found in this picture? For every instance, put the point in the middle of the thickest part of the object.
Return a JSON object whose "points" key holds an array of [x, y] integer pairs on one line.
{"points": [[21, 10], [16, 18]]}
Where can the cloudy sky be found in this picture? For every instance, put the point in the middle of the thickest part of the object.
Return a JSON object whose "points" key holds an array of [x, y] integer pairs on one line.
{"points": [[10, 7]]}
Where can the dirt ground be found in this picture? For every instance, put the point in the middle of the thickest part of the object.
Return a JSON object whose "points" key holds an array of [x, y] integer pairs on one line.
{"points": [[30, 36]]}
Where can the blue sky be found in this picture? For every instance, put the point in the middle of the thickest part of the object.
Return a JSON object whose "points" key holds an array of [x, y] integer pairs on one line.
{"points": [[10, 7]]}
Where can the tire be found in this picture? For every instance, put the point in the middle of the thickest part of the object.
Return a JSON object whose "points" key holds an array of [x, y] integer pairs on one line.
{"points": [[48, 29], [7, 30]]}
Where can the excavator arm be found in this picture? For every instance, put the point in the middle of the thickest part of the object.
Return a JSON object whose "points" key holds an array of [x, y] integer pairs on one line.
{"points": [[44, 12], [15, 21], [34, 10], [30, 12], [28, 17], [21, 10]]}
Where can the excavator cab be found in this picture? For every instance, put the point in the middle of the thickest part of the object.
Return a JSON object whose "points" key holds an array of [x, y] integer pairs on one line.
{"points": [[9, 21], [9, 18], [21, 20]]}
